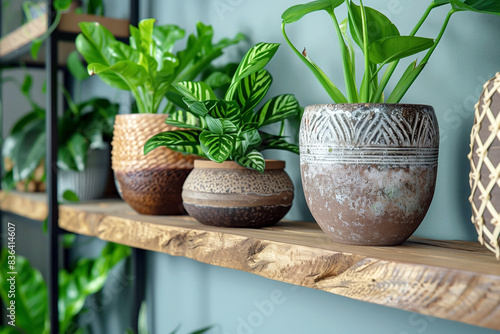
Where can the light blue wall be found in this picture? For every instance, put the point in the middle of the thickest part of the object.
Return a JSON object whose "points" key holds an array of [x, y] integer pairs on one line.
{"points": [[183, 291]]}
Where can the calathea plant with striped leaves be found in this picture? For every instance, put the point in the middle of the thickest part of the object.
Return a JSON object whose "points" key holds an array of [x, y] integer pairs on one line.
{"points": [[231, 128]]}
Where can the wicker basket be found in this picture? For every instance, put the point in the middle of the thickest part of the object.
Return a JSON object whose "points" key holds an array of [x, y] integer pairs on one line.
{"points": [[150, 184], [485, 166]]}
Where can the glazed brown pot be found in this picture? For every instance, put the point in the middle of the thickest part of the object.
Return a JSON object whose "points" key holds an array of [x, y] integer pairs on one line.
{"points": [[369, 170], [151, 184], [226, 194]]}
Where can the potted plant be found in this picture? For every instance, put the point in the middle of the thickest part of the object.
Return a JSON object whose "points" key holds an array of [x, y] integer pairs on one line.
{"points": [[148, 68], [368, 163], [236, 187], [85, 131]]}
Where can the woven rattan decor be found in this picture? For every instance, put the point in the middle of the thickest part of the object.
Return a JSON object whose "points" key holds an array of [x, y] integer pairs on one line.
{"points": [[485, 166]]}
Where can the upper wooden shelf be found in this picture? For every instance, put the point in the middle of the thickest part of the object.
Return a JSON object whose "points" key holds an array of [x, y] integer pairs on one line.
{"points": [[454, 280], [15, 46]]}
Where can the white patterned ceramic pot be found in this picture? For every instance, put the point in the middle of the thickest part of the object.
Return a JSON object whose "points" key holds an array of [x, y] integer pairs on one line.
{"points": [[369, 170]]}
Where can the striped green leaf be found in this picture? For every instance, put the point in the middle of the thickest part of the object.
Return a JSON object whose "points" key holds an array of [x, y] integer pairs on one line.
{"points": [[248, 141], [229, 110], [198, 91], [277, 109], [253, 160], [270, 141], [184, 141], [185, 119], [251, 89], [217, 147], [254, 60], [220, 125]]}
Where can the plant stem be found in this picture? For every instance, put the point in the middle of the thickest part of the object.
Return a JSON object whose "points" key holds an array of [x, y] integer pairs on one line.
{"points": [[352, 94], [365, 90], [392, 67], [427, 56]]}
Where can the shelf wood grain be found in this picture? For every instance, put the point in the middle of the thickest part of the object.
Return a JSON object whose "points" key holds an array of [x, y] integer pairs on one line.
{"points": [[455, 280]]}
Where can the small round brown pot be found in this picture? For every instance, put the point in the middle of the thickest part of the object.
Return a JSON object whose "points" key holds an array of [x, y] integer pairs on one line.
{"points": [[151, 184], [229, 195], [369, 170]]}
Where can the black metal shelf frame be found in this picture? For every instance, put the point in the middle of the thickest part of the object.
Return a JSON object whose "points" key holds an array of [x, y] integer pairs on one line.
{"points": [[53, 230]]}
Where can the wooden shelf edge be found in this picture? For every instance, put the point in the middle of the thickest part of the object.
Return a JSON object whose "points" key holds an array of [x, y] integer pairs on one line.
{"points": [[454, 280], [15, 45]]}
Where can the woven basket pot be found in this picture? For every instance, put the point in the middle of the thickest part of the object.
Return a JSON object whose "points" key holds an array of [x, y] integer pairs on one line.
{"points": [[369, 170], [485, 166], [229, 195], [151, 184]]}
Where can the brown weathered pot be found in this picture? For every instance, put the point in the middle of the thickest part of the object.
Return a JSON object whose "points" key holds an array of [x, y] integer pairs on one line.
{"points": [[485, 161], [150, 184], [226, 194], [369, 170]]}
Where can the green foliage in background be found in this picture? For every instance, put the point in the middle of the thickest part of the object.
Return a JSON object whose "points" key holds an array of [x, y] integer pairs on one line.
{"points": [[381, 43], [83, 126], [31, 299], [229, 128], [147, 66]]}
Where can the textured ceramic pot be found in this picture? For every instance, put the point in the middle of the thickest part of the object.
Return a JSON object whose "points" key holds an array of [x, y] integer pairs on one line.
{"points": [[369, 170], [485, 161], [151, 184], [226, 194], [91, 183]]}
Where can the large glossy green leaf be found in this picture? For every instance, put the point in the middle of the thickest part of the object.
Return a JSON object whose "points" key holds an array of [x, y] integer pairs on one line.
{"points": [[75, 66], [29, 151], [296, 12], [122, 51], [22, 122], [184, 141], [130, 73], [165, 36], [379, 26], [481, 6], [87, 278], [253, 160], [93, 43], [270, 141], [277, 109], [249, 91], [254, 60], [30, 297], [217, 147], [146, 32], [393, 48]]}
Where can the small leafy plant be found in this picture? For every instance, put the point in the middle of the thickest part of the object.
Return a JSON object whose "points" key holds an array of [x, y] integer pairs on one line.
{"points": [[83, 126], [147, 67], [229, 128], [381, 44]]}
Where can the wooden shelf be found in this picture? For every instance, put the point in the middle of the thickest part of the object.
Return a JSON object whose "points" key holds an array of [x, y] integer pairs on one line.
{"points": [[15, 46], [454, 280]]}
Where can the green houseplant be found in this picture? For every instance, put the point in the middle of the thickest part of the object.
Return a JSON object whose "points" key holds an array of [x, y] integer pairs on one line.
{"points": [[229, 130], [85, 130], [148, 68], [31, 298], [381, 156]]}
